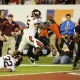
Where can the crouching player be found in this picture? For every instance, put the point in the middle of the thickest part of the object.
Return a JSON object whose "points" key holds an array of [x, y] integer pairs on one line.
{"points": [[9, 63]]}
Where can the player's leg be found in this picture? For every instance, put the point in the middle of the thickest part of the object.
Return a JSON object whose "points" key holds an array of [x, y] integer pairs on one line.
{"points": [[32, 58], [36, 52], [38, 45]]}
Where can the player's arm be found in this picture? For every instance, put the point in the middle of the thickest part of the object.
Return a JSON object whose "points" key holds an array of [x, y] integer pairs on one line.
{"points": [[42, 26], [5, 70]]}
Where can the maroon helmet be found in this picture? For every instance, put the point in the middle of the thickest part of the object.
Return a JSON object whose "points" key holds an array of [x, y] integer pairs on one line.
{"points": [[20, 59], [36, 13]]}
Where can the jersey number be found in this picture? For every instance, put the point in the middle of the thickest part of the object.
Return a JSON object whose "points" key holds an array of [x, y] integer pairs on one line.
{"points": [[28, 23], [7, 61]]}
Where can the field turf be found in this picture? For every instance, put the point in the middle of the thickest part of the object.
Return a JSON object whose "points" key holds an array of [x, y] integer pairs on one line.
{"points": [[44, 64]]}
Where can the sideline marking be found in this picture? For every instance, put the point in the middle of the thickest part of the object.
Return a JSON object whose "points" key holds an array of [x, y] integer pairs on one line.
{"points": [[76, 72], [34, 73]]}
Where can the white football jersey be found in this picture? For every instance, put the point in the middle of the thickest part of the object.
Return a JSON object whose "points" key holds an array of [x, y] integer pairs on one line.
{"points": [[7, 62], [30, 27]]}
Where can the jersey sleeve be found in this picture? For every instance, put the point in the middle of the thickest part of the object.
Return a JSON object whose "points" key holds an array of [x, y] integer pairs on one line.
{"points": [[37, 21], [12, 68], [28, 17]]}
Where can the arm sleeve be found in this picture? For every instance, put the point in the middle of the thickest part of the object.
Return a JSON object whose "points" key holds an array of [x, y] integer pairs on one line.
{"points": [[62, 27], [12, 68], [72, 26]]}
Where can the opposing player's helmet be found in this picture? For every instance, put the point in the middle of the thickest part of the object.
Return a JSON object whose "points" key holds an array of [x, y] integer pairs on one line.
{"points": [[20, 59], [36, 13]]}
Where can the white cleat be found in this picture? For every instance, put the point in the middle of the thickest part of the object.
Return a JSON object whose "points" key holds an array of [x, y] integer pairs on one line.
{"points": [[32, 61]]}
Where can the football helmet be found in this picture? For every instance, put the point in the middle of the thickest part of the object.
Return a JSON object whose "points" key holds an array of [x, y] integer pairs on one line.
{"points": [[36, 13], [20, 59]]}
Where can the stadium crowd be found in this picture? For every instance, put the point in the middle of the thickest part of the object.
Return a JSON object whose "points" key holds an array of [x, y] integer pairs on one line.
{"points": [[38, 2]]}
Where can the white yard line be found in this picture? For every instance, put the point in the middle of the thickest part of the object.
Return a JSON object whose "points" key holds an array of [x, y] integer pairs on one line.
{"points": [[46, 65], [42, 72]]}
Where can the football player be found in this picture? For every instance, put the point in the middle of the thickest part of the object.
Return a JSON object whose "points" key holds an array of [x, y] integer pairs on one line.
{"points": [[33, 22], [9, 63]]}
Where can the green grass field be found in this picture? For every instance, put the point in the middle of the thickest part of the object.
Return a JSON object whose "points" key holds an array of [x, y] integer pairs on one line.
{"points": [[43, 65]]}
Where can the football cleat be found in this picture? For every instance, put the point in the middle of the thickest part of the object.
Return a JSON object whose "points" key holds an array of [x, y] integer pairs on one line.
{"points": [[32, 61]]}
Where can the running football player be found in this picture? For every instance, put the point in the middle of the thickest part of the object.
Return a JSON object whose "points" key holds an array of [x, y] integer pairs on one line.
{"points": [[33, 22]]}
